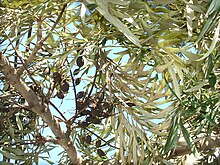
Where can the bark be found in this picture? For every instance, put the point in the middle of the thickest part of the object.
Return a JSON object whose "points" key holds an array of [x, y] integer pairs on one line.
{"points": [[203, 145], [39, 107]]}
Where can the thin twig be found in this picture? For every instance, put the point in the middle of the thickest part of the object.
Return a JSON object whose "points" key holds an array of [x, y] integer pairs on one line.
{"points": [[54, 106], [106, 142]]}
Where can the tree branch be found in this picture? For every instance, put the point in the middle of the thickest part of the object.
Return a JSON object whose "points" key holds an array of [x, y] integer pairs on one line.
{"points": [[38, 107], [204, 145]]}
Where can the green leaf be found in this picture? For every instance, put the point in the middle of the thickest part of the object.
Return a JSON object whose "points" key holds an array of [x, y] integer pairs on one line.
{"points": [[11, 156], [28, 41], [15, 151], [213, 7], [19, 124], [196, 87], [5, 163], [11, 130], [92, 6], [172, 137], [212, 80], [187, 137], [103, 9]]}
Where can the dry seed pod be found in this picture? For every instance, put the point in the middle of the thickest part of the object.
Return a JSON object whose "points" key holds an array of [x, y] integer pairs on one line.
{"points": [[76, 71], [85, 112], [77, 81], [88, 139], [83, 139], [89, 119], [64, 86], [80, 61], [98, 143], [83, 124], [46, 71], [80, 94], [100, 152], [60, 95], [95, 120], [57, 77]]}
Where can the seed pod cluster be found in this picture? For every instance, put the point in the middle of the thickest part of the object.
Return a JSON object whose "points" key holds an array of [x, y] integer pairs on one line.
{"points": [[79, 63], [93, 108], [62, 83]]}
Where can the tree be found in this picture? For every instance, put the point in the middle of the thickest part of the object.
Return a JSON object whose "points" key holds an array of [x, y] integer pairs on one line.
{"points": [[149, 72]]}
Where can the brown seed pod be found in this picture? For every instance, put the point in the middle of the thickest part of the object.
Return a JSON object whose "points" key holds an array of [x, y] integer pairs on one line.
{"points": [[88, 139], [65, 86], [57, 77], [83, 124], [80, 94], [46, 71], [85, 112], [100, 152], [89, 118], [83, 139], [60, 95], [77, 81], [95, 120], [98, 143], [79, 61], [76, 71], [81, 105]]}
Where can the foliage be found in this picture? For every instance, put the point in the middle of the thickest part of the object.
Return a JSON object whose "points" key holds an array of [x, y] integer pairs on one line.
{"points": [[141, 76]]}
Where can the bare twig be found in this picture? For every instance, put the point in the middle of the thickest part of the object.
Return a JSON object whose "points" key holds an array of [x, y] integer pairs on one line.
{"points": [[54, 106]]}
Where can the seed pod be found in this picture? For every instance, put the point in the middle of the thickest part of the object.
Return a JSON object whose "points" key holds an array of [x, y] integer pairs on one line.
{"points": [[85, 112], [83, 124], [89, 119], [64, 86], [80, 94], [77, 81], [60, 95], [46, 71], [80, 61], [100, 152], [76, 71], [95, 120], [98, 143], [57, 77], [88, 139], [81, 105]]}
